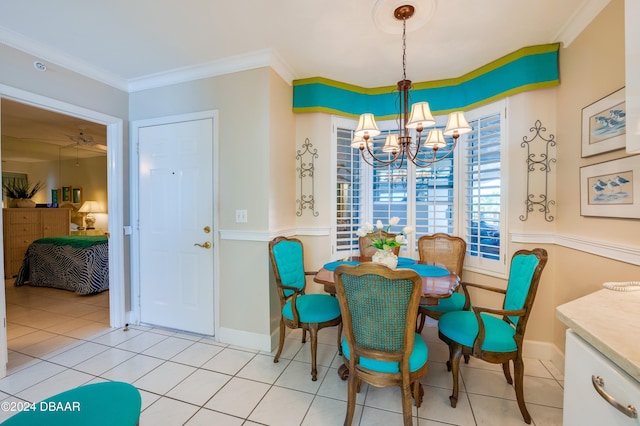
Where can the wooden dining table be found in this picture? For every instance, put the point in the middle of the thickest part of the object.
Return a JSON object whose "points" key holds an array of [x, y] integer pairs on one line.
{"points": [[433, 287]]}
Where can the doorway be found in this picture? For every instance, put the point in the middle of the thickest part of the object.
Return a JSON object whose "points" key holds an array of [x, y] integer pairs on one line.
{"points": [[115, 178], [177, 224]]}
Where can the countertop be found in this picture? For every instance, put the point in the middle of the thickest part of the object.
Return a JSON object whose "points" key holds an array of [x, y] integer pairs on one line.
{"points": [[610, 321]]}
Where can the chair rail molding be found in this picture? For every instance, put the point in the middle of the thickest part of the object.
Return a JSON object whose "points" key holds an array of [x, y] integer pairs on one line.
{"points": [[611, 250], [240, 235]]}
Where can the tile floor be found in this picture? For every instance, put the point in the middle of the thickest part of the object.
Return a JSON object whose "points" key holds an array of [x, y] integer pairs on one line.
{"points": [[58, 340]]}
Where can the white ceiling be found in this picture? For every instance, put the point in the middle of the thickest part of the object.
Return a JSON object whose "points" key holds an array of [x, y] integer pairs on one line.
{"points": [[121, 42]]}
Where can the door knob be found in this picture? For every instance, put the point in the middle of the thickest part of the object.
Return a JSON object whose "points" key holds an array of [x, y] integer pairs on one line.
{"points": [[207, 229], [206, 245]]}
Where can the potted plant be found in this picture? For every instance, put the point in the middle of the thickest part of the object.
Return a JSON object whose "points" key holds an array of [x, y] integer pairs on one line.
{"points": [[22, 191]]}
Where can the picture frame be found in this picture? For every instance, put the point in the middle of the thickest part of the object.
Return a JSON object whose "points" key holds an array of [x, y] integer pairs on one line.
{"points": [[604, 124], [65, 194], [55, 197], [611, 188], [76, 195]]}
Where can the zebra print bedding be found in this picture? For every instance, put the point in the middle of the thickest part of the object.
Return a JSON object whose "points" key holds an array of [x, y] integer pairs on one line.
{"points": [[67, 265]]}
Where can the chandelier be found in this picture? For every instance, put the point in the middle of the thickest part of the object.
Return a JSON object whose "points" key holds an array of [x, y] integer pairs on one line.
{"points": [[400, 146]]}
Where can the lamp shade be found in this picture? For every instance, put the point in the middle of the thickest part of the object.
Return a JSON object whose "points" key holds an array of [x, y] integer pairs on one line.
{"points": [[90, 207], [457, 124], [367, 126], [435, 140], [359, 142], [420, 116], [391, 144]]}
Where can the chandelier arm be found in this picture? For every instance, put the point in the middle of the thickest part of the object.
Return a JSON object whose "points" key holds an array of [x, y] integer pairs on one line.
{"points": [[424, 163], [382, 162]]}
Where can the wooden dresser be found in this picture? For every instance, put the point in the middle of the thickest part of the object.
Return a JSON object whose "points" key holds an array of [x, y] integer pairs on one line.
{"points": [[23, 225]]}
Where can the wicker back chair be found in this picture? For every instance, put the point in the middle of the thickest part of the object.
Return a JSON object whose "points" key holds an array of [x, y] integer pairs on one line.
{"points": [[367, 250], [310, 312], [482, 334], [449, 251], [379, 306]]}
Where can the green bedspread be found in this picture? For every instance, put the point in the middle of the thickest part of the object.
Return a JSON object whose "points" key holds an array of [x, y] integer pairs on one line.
{"points": [[75, 241]]}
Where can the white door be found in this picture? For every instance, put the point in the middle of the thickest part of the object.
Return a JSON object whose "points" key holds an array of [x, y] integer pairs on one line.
{"points": [[175, 225]]}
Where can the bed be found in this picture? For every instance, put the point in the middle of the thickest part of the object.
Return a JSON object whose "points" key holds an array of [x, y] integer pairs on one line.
{"points": [[70, 262]]}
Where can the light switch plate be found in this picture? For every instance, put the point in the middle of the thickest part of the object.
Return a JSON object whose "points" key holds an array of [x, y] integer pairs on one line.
{"points": [[241, 216]]}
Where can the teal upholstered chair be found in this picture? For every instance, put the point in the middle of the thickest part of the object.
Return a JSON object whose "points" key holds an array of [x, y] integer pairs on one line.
{"points": [[98, 404], [380, 346], [450, 252], [482, 334], [310, 312]]}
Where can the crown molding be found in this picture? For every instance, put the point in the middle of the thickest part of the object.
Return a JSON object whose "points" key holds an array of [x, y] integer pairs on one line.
{"points": [[52, 56], [248, 61], [580, 19]]}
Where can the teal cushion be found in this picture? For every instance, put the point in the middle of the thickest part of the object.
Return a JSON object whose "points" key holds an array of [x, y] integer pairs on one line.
{"points": [[522, 268], [288, 257], [447, 304], [99, 404], [418, 358], [462, 327], [313, 308]]}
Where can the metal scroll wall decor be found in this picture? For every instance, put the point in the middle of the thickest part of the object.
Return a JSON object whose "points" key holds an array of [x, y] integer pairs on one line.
{"points": [[538, 163], [306, 165]]}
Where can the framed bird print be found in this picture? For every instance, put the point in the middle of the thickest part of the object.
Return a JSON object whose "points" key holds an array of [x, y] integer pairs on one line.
{"points": [[604, 124], [611, 188]]}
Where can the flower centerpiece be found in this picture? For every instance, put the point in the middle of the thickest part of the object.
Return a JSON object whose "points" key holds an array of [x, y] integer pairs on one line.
{"points": [[381, 240]]}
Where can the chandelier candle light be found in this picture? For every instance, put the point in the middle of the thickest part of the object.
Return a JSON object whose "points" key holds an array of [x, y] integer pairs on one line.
{"points": [[400, 146], [383, 243]]}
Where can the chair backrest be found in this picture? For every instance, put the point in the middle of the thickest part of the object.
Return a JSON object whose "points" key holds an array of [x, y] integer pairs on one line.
{"points": [[287, 261], [443, 248], [367, 250], [379, 308], [524, 276]]}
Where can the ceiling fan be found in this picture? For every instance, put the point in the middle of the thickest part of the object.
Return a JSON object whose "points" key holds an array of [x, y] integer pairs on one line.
{"points": [[82, 139]]}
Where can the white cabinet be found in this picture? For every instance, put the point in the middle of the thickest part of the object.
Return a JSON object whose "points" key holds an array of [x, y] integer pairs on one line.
{"points": [[583, 405]]}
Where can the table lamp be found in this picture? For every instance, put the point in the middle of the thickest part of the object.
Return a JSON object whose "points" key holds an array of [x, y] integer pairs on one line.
{"points": [[90, 207]]}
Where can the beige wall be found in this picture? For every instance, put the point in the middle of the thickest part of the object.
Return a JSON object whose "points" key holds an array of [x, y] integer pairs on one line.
{"points": [[256, 173], [590, 68]]}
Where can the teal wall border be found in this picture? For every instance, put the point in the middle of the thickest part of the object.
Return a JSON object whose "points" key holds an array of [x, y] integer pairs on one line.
{"points": [[525, 69]]}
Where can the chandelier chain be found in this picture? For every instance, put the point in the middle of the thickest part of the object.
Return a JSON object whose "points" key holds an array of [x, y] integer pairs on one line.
{"points": [[404, 48]]}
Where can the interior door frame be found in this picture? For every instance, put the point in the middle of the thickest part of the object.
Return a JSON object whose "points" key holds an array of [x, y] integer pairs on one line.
{"points": [[134, 179], [115, 179]]}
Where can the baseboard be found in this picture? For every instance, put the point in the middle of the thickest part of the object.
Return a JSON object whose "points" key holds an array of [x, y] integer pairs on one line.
{"points": [[544, 351], [246, 339]]}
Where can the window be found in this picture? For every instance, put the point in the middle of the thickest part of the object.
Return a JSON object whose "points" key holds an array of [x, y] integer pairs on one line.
{"points": [[482, 185], [347, 187], [457, 195]]}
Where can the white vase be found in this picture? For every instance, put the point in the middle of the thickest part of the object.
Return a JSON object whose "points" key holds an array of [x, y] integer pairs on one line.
{"points": [[386, 257], [23, 202]]}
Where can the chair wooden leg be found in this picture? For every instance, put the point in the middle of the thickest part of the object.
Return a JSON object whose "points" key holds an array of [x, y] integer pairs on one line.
{"points": [[418, 393], [406, 404], [518, 372], [420, 321], [455, 369], [313, 332], [450, 360], [281, 343], [351, 399], [507, 372], [304, 335], [340, 339]]}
